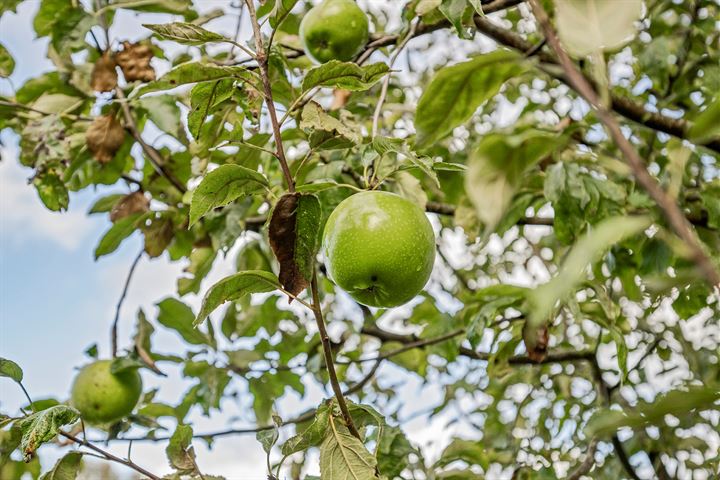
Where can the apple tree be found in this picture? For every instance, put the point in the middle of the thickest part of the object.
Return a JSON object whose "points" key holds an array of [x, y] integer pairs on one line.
{"points": [[565, 153]]}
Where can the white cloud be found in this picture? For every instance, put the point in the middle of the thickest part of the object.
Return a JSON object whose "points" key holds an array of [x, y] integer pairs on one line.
{"points": [[23, 217]]}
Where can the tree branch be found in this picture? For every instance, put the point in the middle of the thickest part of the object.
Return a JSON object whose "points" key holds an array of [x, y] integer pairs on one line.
{"points": [[262, 61], [156, 159], [672, 212], [414, 342], [114, 328], [327, 349], [586, 464], [109, 456]]}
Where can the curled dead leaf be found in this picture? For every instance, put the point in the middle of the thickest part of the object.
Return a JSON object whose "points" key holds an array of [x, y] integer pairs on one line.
{"points": [[130, 204], [134, 60], [282, 240], [104, 77], [104, 137], [294, 237]]}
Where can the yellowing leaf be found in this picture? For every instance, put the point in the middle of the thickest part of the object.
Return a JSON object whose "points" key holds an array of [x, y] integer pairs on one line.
{"points": [[586, 26]]}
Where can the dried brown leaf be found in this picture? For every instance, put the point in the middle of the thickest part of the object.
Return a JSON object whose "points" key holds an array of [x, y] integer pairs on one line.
{"points": [[104, 77], [130, 204], [282, 236], [104, 137], [134, 60]]}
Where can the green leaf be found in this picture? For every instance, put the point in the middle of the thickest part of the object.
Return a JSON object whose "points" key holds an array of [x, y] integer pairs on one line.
{"points": [[119, 231], [235, 287], [392, 452], [454, 11], [224, 185], [10, 369], [497, 166], [707, 124], [182, 7], [315, 119], [344, 456], [65, 22], [345, 75], [307, 229], [312, 436], [7, 63], [180, 452], [677, 402], [383, 145], [586, 26], [277, 9], [177, 316], [67, 468], [105, 204], [456, 92], [468, 451], [267, 438], [204, 98], [164, 112], [185, 33], [193, 72], [43, 426], [585, 251], [52, 191]]}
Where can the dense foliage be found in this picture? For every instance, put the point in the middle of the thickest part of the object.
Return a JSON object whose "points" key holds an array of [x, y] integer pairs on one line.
{"points": [[570, 322]]}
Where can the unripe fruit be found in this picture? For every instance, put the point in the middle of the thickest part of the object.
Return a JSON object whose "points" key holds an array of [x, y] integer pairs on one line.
{"points": [[334, 30], [379, 247], [103, 397]]}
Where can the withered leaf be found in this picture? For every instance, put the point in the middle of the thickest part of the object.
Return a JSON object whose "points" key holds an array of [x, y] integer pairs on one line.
{"points": [[104, 77], [294, 237], [158, 236], [536, 341], [135, 202], [134, 60], [104, 137]]}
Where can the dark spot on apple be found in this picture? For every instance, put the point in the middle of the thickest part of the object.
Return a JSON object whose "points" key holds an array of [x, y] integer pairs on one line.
{"points": [[373, 278], [96, 406]]}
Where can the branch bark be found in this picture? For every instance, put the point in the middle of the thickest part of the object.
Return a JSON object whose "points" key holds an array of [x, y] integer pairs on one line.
{"points": [[329, 361], [156, 159], [109, 456], [114, 328], [262, 60], [667, 204]]}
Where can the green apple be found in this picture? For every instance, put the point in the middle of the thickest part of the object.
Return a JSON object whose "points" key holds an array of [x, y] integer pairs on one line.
{"points": [[379, 247], [334, 30], [104, 397]]}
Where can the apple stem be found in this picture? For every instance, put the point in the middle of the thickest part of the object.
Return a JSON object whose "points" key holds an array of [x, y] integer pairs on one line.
{"points": [[317, 310]]}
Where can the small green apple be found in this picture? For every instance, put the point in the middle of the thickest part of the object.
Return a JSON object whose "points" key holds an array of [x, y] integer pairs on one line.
{"points": [[103, 397], [379, 247], [334, 30]]}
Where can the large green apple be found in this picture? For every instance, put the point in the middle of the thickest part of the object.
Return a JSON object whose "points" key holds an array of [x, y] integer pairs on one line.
{"points": [[334, 30], [379, 247], [104, 397]]}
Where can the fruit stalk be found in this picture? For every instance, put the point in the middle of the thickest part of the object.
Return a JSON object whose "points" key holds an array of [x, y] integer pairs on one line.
{"points": [[262, 61], [327, 349]]}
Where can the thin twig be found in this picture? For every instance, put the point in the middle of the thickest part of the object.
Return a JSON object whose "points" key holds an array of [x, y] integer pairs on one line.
{"points": [[114, 329], [327, 348], [667, 204], [20, 106], [262, 60], [156, 160], [586, 464], [109, 456], [386, 82]]}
